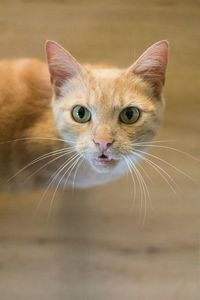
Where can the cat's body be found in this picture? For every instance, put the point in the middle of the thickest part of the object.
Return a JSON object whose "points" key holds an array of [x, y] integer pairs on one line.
{"points": [[22, 117], [31, 126]]}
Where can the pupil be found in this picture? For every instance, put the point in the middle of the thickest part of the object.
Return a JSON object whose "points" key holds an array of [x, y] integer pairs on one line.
{"points": [[81, 112], [129, 114]]}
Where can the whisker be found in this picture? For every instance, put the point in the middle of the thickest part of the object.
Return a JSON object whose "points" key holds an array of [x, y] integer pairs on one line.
{"points": [[160, 171], [139, 182], [145, 190], [57, 186], [72, 167], [75, 173], [54, 177], [169, 148], [70, 170], [44, 156], [168, 164], [146, 187], [37, 138], [154, 141], [132, 177], [146, 194], [145, 172], [48, 163]]}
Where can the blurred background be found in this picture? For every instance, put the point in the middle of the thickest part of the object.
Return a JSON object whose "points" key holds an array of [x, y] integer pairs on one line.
{"points": [[95, 245]]}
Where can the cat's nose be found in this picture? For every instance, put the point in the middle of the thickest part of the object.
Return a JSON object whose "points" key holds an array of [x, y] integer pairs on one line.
{"points": [[103, 144]]}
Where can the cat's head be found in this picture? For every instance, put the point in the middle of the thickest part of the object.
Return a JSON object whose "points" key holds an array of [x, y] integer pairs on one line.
{"points": [[105, 113]]}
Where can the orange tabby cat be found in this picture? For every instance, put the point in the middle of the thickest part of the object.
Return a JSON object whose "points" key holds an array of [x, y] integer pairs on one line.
{"points": [[82, 129]]}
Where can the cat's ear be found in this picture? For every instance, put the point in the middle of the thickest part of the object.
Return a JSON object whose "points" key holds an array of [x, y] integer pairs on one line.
{"points": [[151, 65], [62, 65]]}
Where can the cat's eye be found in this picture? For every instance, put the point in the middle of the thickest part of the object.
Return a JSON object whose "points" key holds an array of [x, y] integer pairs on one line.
{"points": [[81, 114], [129, 115]]}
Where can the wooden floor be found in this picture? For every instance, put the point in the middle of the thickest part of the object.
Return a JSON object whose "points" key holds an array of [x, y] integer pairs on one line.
{"points": [[94, 246], [100, 244]]}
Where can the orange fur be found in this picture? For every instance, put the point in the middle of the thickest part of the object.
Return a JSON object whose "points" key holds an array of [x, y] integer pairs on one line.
{"points": [[31, 125]]}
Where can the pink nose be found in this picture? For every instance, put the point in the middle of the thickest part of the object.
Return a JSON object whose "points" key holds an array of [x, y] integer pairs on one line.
{"points": [[103, 144]]}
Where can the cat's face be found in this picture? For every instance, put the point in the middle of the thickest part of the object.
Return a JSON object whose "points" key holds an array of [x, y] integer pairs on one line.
{"points": [[105, 113]]}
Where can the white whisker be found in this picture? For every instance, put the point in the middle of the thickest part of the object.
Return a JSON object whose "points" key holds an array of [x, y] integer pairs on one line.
{"points": [[132, 177], [71, 167], [37, 138], [75, 173], [145, 190], [44, 156], [168, 164], [152, 142], [139, 182], [159, 170], [48, 163], [54, 177], [145, 173], [168, 148]]}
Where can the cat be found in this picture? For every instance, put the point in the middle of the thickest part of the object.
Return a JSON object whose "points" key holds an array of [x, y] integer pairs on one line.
{"points": [[65, 124]]}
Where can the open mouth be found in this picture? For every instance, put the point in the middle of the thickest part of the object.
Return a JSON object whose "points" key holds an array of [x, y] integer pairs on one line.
{"points": [[104, 160]]}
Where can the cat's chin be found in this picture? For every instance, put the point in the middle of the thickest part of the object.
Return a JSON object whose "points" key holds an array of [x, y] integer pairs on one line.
{"points": [[103, 165]]}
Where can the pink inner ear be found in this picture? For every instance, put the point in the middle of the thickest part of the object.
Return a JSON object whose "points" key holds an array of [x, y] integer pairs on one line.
{"points": [[62, 65], [58, 75], [152, 63]]}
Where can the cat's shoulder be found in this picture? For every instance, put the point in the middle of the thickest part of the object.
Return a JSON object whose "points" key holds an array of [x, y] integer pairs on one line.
{"points": [[21, 64], [24, 76], [23, 69]]}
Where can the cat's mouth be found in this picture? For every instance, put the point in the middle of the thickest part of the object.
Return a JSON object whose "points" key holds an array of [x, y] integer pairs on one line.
{"points": [[104, 160]]}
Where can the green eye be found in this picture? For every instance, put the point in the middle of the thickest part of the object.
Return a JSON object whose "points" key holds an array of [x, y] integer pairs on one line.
{"points": [[129, 115], [81, 114]]}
